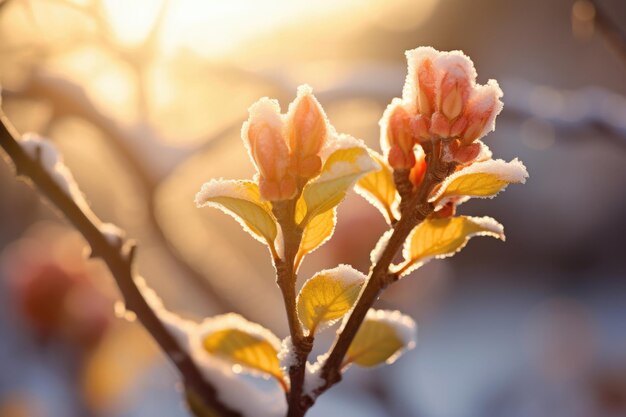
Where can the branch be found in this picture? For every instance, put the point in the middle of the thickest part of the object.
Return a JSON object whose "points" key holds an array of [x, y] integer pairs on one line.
{"points": [[417, 208], [286, 278], [67, 99], [119, 260], [610, 29]]}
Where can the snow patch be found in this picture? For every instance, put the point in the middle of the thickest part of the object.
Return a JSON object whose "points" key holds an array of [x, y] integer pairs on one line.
{"points": [[113, 234], [42, 150], [236, 321], [287, 354], [313, 379], [513, 172]]}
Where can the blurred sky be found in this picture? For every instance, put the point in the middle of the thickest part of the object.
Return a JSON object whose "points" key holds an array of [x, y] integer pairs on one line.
{"points": [[146, 98]]}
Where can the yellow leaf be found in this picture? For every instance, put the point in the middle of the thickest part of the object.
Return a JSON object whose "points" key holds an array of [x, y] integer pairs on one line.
{"points": [[241, 200], [236, 340], [378, 188], [316, 233], [340, 171], [441, 238], [382, 338], [482, 179], [328, 295]]}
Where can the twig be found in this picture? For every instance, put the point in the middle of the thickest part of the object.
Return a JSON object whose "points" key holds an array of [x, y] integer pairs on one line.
{"points": [[286, 279], [119, 260], [416, 210], [613, 34], [68, 99]]}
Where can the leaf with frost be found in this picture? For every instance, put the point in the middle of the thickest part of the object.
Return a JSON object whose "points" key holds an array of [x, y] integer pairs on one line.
{"points": [[382, 338], [340, 171], [241, 200], [241, 342], [328, 296], [378, 188], [317, 232], [440, 238], [482, 179]]}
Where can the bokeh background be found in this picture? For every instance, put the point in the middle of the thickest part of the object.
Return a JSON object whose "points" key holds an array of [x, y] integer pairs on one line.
{"points": [[145, 98]]}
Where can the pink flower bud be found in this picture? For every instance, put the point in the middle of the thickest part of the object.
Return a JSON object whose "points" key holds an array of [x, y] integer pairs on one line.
{"points": [[454, 89], [400, 137], [269, 151], [460, 153], [482, 108], [426, 87], [307, 132]]}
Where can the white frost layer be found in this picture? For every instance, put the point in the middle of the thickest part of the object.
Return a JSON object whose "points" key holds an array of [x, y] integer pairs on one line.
{"points": [[235, 391], [113, 234], [345, 274], [221, 188], [287, 354], [236, 321], [40, 149], [313, 378], [363, 164], [513, 172], [380, 246], [235, 189], [405, 328], [489, 225]]}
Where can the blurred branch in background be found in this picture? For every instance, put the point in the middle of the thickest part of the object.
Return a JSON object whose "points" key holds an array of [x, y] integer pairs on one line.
{"points": [[68, 99], [118, 256], [590, 14]]}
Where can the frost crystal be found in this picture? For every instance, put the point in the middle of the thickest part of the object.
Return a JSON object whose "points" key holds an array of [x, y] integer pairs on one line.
{"points": [[113, 234], [237, 392], [380, 246], [44, 151], [236, 321], [286, 354], [511, 172], [313, 379]]}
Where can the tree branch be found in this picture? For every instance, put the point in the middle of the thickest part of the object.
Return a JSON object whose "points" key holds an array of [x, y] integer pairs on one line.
{"points": [[286, 278], [417, 208], [119, 260]]}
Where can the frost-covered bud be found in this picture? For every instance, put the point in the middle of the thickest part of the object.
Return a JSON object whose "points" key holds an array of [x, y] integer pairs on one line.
{"points": [[426, 85], [421, 127], [400, 137], [416, 176], [307, 133], [461, 153], [482, 108], [454, 89], [263, 134]]}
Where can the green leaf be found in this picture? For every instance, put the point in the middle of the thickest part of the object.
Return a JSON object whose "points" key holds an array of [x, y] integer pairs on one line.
{"points": [[241, 200], [382, 338], [340, 171], [328, 296], [236, 340], [440, 238], [378, 188]]}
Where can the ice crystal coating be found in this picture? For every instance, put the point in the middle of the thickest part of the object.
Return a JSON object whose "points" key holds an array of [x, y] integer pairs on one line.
{"points": [[42, 150], [440, 99], [113, 234]]}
